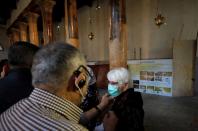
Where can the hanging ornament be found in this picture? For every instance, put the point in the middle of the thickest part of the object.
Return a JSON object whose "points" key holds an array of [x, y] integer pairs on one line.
{"points": [[98, 5], [159, 20], [91, 36]]}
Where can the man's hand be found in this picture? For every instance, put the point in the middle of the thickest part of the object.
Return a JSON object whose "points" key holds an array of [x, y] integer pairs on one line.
{"points": [[110, 121], [105, 101]]}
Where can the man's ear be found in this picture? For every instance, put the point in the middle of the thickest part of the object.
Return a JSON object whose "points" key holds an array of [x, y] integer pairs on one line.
{"points": [[75, 81], [71, 83], [80, 81]]}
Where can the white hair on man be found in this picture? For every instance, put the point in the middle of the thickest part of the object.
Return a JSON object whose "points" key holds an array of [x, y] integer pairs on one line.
{"points": [[120, 75]]}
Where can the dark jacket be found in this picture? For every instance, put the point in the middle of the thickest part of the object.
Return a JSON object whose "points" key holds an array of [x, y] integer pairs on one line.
{"points": [[14, 87], [91, 100], [128, 107]]}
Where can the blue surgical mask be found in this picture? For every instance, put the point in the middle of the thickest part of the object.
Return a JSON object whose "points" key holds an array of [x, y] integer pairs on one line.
{"points": [[113, 90]]}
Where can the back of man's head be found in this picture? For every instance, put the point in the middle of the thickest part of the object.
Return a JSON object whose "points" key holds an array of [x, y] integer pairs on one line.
{"points": [[21, 54], [55, 63]]}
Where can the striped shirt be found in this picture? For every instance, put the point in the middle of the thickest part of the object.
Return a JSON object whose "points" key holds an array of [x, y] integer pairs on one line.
{"points": [[42, 111]]}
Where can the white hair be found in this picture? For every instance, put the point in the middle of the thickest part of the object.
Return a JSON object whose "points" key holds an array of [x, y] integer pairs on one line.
{"points": [[120, 75]]}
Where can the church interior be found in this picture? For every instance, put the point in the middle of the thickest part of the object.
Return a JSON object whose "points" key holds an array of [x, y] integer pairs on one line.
{"points": [[155, 39]]}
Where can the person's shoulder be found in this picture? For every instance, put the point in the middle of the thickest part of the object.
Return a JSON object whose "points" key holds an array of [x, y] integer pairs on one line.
{"points": [[32, 113], [4, 83], [135, 97], [131, 91], [7, 79], [11, 109], [131, 96], [7, 84]]}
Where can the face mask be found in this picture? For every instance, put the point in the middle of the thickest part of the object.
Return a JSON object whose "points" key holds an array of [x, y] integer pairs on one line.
{"points": [[113, 90]]}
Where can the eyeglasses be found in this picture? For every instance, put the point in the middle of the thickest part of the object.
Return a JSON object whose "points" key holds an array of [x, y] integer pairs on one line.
{"points": [[77, 71]]}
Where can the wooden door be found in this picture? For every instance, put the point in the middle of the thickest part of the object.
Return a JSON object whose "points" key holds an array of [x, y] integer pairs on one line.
{"points": [[183, 67]]}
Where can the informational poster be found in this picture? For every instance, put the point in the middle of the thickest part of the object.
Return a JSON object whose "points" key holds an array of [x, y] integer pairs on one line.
{"points": [[152, 76]]}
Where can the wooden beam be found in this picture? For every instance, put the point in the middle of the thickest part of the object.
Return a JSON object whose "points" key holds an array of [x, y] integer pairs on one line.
{"points": [[46, 11], [71, 22], [118, 34]]}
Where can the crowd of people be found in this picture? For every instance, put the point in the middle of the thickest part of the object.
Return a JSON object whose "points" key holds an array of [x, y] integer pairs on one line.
{"points": [[52, 88]]}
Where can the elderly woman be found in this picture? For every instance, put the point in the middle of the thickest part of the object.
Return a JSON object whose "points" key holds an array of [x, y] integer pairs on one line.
{"points": [[128, 105]]}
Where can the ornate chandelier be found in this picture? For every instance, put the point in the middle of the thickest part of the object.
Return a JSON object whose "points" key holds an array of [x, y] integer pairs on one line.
{"points": [[159, 19]]}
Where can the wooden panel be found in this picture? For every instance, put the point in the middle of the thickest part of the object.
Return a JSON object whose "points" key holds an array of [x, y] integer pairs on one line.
{"points": [[46, 11], [183, 68], [100, 72], [196, 77]]}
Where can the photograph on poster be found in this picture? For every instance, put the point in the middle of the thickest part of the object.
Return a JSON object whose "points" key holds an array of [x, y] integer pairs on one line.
{"points": [[150, 76], [150, 89], [158, 76], [142, 88], [158, 89], [143, 75]]}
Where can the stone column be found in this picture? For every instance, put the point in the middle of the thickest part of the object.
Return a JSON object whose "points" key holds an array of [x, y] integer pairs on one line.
{"points": [[196, 70], [33, 30], [23, 30], [46, 11], [15, 34], [118, 40], [66, 22], [71, 22]]}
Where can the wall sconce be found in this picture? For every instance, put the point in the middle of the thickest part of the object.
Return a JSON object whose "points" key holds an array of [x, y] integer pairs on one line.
{"points": [[58, 27], [159, 20], [98, 5], [91, 36]]}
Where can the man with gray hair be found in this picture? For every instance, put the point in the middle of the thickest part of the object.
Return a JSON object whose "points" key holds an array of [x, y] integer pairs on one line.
{"points": [[60, 78], [17, 84]]}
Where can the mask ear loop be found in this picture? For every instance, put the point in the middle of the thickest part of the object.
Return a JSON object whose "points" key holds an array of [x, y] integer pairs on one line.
{"points": [[79, 88]]}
